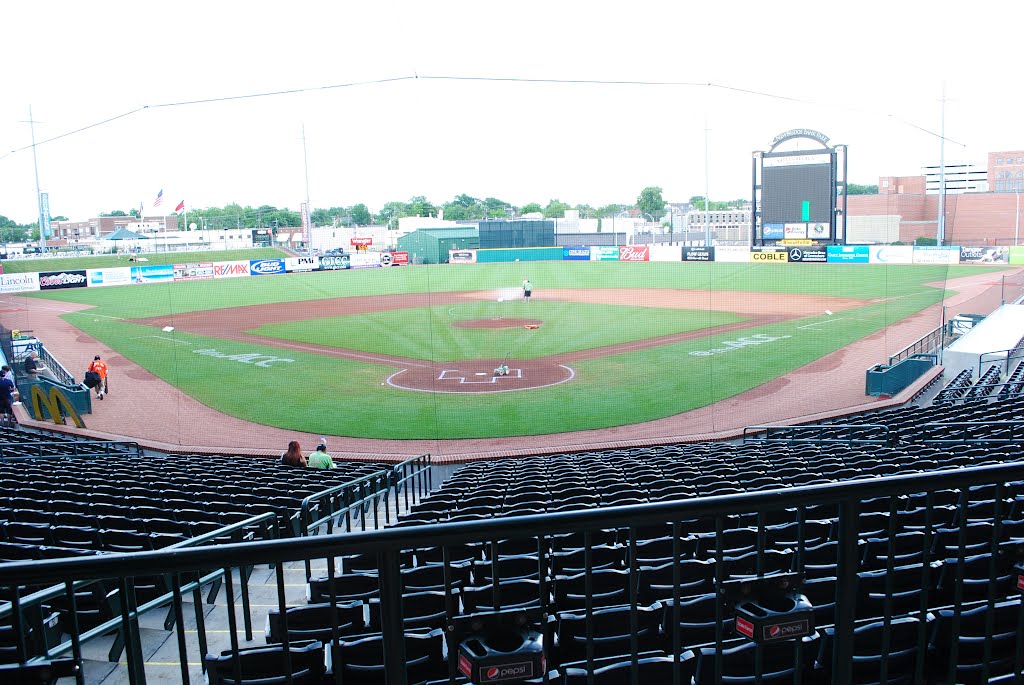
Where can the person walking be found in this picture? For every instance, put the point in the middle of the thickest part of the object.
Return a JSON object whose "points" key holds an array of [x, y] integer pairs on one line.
{"points": [[99, 368], [527, 289]]}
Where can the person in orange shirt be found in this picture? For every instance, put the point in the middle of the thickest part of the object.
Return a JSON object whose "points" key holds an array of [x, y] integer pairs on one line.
{"points": [[100, 368]]}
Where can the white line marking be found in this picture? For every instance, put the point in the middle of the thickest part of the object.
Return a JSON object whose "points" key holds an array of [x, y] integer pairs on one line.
{"points": [[160, 337], [390, 379]]}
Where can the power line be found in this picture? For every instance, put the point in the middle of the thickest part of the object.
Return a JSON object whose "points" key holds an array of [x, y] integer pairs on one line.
{"points": [[491, 79]]}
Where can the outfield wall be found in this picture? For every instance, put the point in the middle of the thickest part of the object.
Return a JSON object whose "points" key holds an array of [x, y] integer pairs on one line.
{"points": [[803, 254]]}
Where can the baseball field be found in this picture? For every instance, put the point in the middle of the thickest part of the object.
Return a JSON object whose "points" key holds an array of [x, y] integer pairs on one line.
{"points": [[410, 352]]}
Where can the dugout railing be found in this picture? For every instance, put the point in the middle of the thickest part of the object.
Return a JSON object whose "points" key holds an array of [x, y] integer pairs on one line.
{"points": [[906, 607]]}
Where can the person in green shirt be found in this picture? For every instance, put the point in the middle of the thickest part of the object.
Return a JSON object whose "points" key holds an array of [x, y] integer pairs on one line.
{"points": [[320, 459]]}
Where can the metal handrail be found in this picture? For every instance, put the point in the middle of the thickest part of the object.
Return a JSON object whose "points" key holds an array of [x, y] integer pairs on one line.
{"points": [[391, 540], [267, 521], [926, 343], [386, 546]]}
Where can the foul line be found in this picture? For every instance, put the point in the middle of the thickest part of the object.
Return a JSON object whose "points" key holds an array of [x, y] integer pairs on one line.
{"points": [[160, 337]]}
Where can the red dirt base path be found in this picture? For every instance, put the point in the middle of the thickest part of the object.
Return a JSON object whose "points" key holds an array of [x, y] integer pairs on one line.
{"points": [[161, 417]]}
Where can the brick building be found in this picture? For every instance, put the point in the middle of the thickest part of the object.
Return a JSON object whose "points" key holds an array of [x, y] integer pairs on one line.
{"points": [[1006, 171], [99, 226]]}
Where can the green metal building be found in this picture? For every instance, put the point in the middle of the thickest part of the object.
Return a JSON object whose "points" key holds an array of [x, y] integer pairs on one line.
{"points": [[431, 245]]}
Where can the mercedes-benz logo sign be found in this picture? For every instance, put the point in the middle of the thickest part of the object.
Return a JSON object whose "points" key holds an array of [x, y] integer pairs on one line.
{"points": [[796, 254]]}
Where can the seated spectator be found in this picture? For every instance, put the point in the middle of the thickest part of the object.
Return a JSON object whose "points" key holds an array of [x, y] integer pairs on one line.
{"points": [[293, 456], [35, 369], [320, 458]]}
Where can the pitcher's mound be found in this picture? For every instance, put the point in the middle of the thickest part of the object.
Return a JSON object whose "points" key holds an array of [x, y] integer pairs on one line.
{"points": [[497, 323]]}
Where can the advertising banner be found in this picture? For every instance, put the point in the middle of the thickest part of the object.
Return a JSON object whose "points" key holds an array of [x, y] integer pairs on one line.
{"points": [[230, 269], [153, 274], [808, 255], [818, 231], [118, 275], [19, 283], [732, 253], [936, 255], [266, 267], [462, 256], [795, 230], [773, 231], [771, 255], [580, 253], [399, 258], [58, 280], [984, 255], [849, 254], [604, 253], [666, 253], [698, 254], [1017, 255], [292, 264], [193, 272], [334, 262], [365, 260], [634, 253], [361, 242], [891, 254]]}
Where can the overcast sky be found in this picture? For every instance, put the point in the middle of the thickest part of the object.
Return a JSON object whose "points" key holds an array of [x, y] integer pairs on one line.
{"points": [[867, 74]]}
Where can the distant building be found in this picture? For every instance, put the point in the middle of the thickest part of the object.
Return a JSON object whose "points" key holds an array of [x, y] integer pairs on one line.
{"points": [[961, 177], [97, 227], [1006, 169]]}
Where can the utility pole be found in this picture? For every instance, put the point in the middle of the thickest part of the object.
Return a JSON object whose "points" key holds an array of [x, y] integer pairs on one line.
{"points": [[940, 230], [39, 195], [707, 196], [309, 208]]}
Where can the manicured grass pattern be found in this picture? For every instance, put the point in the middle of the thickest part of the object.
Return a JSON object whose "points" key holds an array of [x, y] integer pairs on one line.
{"points": [[333, 396], [429, 333]]}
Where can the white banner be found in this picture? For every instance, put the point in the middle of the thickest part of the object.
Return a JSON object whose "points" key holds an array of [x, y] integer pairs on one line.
{"points": [[230, 269], [364, 260], [118, 275], [732, 253], [666, 253], [301, 263], [936, 255], [19, 283], [891, 254]]}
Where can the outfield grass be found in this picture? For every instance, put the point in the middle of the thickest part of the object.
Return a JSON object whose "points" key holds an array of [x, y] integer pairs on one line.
{"points": [[430, 333], [28, 265], [328, 395]]}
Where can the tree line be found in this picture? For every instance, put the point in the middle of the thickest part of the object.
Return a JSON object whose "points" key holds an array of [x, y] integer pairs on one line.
{"points": [[649, 203]]}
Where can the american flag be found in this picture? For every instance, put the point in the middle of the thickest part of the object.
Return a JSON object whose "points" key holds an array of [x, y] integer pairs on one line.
{"points": [[159, 199]]}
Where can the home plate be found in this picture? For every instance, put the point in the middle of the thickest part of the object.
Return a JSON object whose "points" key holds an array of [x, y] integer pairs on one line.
{"points": [[480, 373]]}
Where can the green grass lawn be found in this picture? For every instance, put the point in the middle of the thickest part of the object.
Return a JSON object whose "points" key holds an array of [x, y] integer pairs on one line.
{"points": [[430, 333], [17, 266], [335, 396]]}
